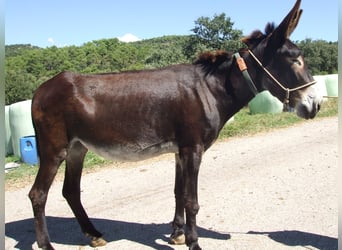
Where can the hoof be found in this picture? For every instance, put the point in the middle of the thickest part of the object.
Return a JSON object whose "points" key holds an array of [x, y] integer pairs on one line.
{"points": [[195, 246], [48, 247], [97, 242], [177, 239], [45, 246]]}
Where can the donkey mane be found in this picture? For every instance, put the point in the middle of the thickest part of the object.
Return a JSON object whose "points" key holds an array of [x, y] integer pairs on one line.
{"points": [[257, 36], [214, 62]]}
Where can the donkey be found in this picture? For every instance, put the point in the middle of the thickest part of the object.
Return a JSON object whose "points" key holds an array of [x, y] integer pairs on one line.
{"points": [[178, 109]]}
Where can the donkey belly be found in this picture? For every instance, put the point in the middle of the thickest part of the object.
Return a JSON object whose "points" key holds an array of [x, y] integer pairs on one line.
{"points": [[131, 152]]}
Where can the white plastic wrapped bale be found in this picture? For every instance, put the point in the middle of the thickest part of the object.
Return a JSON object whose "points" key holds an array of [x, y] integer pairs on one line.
{"points": [[20, 123], [264, 102], [320, 85], [331, 83], [8, 135]]}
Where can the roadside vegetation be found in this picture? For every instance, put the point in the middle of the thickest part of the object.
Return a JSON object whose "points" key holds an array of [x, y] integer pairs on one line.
{"points": [[28, 66], [246, 124]]}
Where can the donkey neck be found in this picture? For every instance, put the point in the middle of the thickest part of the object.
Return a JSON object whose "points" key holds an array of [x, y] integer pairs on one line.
{"points": [[238, 85]]}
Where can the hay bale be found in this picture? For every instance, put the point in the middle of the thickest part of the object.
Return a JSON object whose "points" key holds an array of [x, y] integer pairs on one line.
{"points": [[320, 85], [20, 123], [8, 135], [331, 83], [264, 102]]}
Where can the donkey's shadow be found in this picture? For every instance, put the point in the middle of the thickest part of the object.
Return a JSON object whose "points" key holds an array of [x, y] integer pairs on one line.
{"points": [[67, 231]]}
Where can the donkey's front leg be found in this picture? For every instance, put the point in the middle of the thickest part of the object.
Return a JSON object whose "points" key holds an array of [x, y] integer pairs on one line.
{"points": [[191, 160]]}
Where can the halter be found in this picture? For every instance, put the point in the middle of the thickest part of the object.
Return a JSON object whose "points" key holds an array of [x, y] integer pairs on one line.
{"points": [[243, 68]]}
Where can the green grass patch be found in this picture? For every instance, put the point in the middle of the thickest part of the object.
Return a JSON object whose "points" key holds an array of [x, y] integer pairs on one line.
{"points": [[244, 124], [25, 174], [247, 124]]}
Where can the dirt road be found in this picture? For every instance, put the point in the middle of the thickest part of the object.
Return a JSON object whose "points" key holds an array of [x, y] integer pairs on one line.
{"points": [[270, 191]]}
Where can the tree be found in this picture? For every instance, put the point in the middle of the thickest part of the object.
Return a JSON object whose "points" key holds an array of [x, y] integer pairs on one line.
{"points": [[165, 51], [26, 66], [19, 86], [217, 32], [321, 56]]}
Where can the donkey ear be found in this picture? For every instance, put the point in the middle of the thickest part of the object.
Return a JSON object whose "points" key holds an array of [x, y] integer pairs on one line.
{"points": [[254, 39], [287, 26]]}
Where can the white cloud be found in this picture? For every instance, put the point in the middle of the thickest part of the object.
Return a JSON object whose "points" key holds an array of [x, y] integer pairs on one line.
{"points": [[129, 38], [50, 40]]}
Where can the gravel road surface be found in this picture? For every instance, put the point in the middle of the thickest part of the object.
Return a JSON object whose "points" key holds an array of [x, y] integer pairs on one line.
{"points": [[275, 190]]}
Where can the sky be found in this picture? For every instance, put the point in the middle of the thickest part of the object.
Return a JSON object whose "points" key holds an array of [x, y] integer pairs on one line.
{"points": [[60, 23]]}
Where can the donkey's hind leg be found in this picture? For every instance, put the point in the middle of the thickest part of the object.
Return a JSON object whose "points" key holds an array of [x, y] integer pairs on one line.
{"points": [[71, 192], [178, 235], [49, 163]]}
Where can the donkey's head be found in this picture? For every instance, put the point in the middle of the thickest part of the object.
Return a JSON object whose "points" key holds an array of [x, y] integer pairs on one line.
{"points": [[281, 66]]}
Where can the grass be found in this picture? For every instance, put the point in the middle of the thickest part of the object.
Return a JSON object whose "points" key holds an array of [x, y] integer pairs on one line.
{"points": [[25, 174], [244, 124]]}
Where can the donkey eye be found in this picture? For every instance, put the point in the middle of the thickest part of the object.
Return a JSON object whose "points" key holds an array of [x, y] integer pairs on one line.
{"points": [[296, 61]]}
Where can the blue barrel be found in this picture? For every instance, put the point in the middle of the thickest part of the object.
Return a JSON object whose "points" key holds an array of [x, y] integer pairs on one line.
{"points": [[28, 150]]}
